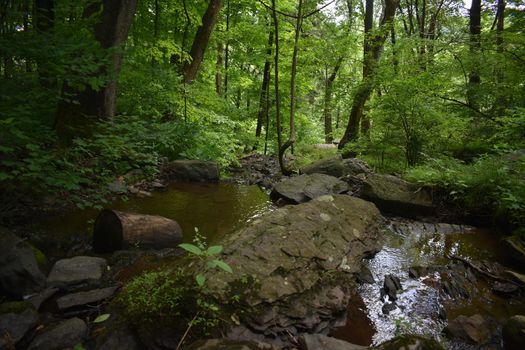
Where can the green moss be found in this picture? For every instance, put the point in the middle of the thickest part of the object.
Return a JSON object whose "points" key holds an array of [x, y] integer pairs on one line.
{"points": [[15, 307]]}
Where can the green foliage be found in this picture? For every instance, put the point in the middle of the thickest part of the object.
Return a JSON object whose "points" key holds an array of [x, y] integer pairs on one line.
{"points": [[101, 318]]}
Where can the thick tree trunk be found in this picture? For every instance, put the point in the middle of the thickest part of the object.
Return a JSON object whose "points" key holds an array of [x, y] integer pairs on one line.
{"points": [[115, 230], [263, 102], [366, 86], [111, 32], [329, 84], [200, 42]]}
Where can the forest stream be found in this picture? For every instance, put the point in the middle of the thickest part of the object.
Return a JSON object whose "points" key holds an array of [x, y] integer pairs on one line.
{"points": [[422, 306]]}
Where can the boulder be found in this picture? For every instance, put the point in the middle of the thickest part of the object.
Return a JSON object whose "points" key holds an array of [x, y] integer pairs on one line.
{"points": [[323, 342], [13, 327], [65, 335], [19, 271], [515, 249], [223, 344], [514, 333], [391, 285], [192, 170], [396, 196], [122, 338], [79, 269], [302, 260], [301, 189], [91, 297], [337, 166], [476, 329], [409, 341]]}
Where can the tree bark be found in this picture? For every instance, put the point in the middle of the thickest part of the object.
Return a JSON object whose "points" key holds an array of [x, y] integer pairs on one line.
{"points": [[263, 102], [371, 59], [329, 84], [218, 73], [200, 42], [276, 82], [115, 230], [475, 45], [44, 24], [111, 32]]}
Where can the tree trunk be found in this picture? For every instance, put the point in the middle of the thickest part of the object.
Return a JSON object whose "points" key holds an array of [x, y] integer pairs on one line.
{"points": [[218, 74], [329, 84], [276, 82], [44, 24], [227, 49], [115, 230], [263, 102], [200, 42], [475, 45], [371, 59], [111, 32], [291, 136]]}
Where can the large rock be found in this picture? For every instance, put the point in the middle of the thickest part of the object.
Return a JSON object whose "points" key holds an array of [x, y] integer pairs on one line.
{"points": [[122, 338], [301, 189], [302, 260], [19, 271], [226, 344], [80, 269], [514, 333], [13, 327], [94, 296], [409, 342], [396, 196], [192, 170], [65, 335], [515, 249], [323, 342], [475, 329], [337, 166]]}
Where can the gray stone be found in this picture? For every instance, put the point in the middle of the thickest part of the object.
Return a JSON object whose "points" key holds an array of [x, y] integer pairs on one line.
{"points": [[391, 285], [84, 298], [514, 333], [301, 189], [14, 326], [123, 338], [337, 166], [409, 342], [476, 329], [396, 196], [37, 299], [226, 344], [65, 335], [77, 270], [19, 271], [302, 261], [323, 342], [192, 170]]}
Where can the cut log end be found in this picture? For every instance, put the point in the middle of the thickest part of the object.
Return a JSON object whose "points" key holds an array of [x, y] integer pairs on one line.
{"points": [[107, 233]]}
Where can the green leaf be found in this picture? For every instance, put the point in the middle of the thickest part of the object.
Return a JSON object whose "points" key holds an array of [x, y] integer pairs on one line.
{"points": [[223, 266], [212, 264], [200, 280], [214, 250], [192, 249], [101, 318]]}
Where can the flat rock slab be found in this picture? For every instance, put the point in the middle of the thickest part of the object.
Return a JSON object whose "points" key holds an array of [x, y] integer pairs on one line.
{"points": [[302, 259], [301, 189], [337, 166], [476, 329], [322, 342], [94, 296], [15, 326], [77, 270], [19, 271], [223, 344], [396, 196], [192, 170], [65, 335]]}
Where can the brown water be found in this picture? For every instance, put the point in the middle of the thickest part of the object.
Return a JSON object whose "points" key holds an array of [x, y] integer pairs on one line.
{"points": [[214, 208], [420, 303]]}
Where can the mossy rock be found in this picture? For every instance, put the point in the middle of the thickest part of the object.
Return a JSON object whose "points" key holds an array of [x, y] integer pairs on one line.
{"points": [[409, 341], [40, 257], [15, 307]]}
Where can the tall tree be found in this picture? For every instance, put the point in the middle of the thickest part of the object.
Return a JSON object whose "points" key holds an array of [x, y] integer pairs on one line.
{"points": [[475, 45], [263, 102], [374, 43], [200, 42], [329, 85]]}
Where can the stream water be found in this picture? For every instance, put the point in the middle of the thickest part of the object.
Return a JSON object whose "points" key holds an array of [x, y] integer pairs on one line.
{"points": [[217, 209]]}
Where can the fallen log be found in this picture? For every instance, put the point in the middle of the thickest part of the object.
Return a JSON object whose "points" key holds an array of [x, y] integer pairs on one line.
{"points": [[115, 230]]}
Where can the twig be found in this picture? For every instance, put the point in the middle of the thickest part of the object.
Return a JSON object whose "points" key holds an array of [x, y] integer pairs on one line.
{"points": [[464, 104], [190, 324]]}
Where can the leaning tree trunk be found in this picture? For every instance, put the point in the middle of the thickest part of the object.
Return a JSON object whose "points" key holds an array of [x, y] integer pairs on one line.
{"points": [[200, 42], [365, 88], [111, 32], [115, 230]]}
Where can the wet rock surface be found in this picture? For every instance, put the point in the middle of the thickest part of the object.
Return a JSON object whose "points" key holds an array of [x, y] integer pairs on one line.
{"points": [[515, 247], [303, 259], [14, 326], [514, 333], [79, 269], [395, 196], [19, 271], [64, 335], [301, 189], [319, 341], [476, 329]]}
